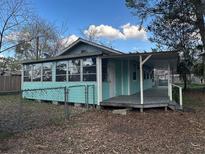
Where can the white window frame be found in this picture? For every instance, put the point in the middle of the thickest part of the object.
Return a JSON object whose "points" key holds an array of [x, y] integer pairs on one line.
{"points": [[40, 71], [89, 66], [72, 67], [26, 70], [51, 72], [66, 74]]}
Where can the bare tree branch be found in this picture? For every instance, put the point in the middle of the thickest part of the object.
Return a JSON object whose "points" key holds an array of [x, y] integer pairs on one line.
{"points": [[13, 14]]}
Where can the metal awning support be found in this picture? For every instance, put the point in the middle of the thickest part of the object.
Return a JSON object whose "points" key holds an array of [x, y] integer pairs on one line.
{"points": [[141, 79]]}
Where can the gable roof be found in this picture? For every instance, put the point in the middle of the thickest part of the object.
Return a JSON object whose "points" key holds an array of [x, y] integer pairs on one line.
{"points": [[105, 52], [105, 49]]}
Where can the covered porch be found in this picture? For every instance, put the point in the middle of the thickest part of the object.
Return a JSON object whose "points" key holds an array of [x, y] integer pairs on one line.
{"points": [[147, 93]]}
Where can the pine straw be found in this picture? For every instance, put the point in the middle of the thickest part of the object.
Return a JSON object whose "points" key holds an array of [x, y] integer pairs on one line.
{"points": [[154, 131]]}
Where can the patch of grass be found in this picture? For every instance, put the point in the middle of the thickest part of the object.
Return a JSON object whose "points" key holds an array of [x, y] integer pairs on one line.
{"points": [[192, 86], [5, 135], [194, 99], [196, 86], [18, 115], [193, 96]]}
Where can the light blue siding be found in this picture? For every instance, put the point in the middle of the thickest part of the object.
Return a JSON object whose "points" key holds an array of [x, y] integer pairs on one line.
{"points": [[118, 80], [105, 90], [134, 84], [125, 77], [76, 94], [122, 79]]}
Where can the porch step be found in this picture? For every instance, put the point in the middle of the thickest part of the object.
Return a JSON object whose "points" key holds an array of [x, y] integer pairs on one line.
{"points": [[121, 111], [174, 106]]}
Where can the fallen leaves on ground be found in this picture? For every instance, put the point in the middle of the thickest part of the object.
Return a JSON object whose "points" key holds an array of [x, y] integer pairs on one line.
{"points": [[103, 132]]}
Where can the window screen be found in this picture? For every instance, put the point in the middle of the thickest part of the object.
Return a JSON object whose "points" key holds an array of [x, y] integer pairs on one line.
{"points": [[27, 72], [61, 71], [74, 70], [47, 71], [36, 72], [89, 69]]}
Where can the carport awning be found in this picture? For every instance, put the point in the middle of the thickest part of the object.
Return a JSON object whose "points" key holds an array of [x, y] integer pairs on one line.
{"points": [[158, 60]]}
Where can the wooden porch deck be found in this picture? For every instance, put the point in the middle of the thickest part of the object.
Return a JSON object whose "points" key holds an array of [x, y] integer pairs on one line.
{"points": [[153, 98]]}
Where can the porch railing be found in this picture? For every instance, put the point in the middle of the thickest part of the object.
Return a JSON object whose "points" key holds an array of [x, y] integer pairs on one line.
{"points": [[180, 94]]}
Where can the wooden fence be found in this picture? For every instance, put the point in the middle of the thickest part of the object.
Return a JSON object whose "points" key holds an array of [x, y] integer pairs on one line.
{"points": [[10, 83]]}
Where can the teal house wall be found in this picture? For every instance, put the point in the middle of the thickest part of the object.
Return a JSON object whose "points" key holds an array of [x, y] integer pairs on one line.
{"points": [[105, 90], [77, 94], [118, 77], [124, 81], [134, 84], [125, 76]]}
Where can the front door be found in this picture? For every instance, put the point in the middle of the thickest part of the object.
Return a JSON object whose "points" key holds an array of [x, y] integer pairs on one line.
{"points": [[111, 78]]}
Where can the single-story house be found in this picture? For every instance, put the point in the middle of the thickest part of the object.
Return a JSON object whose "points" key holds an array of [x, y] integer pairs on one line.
{"points": [[111, 77]]}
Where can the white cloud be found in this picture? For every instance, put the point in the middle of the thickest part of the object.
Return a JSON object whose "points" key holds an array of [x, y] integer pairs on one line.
{"points": [[133, 32], [126, 31], [68, 40], [1, 56], [104, 31]]}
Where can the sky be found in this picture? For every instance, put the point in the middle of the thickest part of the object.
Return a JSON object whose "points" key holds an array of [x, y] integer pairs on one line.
{"points": [[112, 21]]}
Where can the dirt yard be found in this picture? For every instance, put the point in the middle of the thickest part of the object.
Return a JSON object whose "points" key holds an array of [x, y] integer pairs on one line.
{"points": [[101, 131]]}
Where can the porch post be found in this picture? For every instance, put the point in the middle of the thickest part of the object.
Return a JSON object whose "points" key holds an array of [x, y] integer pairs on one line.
{"points": [[169, 83], [99, 80], [141, 82], [168, 80]]}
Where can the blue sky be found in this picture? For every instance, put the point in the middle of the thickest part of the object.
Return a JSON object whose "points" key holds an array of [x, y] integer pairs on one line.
{"points": [[78, 15]]}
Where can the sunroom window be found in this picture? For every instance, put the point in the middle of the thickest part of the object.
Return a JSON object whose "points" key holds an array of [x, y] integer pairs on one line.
{"points": [[89, 69], [61, 69], [74, 70], [36, 73], [27, 73], [47, 71]]}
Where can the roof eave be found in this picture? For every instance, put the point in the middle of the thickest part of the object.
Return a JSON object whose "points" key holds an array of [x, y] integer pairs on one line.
{"points": [[142, 54], [66, 57]]}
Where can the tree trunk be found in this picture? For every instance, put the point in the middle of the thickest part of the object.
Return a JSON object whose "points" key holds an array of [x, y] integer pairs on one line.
{"points": [[203, 62], [199, 10], [185, 81]]}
